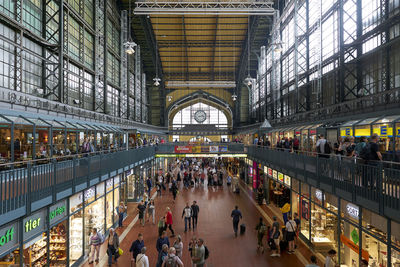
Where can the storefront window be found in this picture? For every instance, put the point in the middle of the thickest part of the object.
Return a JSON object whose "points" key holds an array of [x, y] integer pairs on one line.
{"points": [[324, 229], [35, 251], [58, 245], [109, 209], [374, 250], [75, 237], [94, 218], [349, 242], [305, 210]]}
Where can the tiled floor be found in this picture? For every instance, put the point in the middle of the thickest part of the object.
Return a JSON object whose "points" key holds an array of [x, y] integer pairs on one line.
{"points": [[215, 227]]}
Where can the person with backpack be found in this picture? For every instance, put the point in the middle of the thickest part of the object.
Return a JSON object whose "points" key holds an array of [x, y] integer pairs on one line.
{"points": [[360, 146], [172, 260], [142, 209], [236, 216], [261, 229], [323, 147], [275, 234], [95, 241], [291, 228], [200, 255]]}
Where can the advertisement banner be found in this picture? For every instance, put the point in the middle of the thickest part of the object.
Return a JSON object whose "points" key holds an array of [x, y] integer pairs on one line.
{"points": [[270, 172], [205, 149], [183, 149], [280, 176], [275, 174], [304, 209], [347, 242], [196, 149], [223, 148], [214, 149]]}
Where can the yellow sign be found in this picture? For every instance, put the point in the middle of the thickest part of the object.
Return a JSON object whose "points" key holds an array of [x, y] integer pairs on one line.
{"points": [[347, 131], [280, 176], [363, 132], [383, 130], [285, 208]]}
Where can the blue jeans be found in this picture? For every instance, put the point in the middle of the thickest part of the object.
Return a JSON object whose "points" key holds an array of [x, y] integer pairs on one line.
{"points": [[120, 218], [110, 252], [187, 219]]}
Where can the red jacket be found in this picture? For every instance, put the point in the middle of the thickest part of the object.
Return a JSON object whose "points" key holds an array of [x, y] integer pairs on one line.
{"points": [[169, 218]]}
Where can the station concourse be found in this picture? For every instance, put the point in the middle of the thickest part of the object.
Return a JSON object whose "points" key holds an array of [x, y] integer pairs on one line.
{"points": [[288, 109]]}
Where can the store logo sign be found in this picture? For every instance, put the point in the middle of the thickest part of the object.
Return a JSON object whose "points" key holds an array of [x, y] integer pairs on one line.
{"points": [[7, 237], [57, 212], [383, 130], [347, 131], [352, 210], [32, 224]]}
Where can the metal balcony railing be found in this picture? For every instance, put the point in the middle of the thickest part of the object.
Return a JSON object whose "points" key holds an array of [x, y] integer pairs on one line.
{"points": [[33, 185], [170, 147], [375, 186]]}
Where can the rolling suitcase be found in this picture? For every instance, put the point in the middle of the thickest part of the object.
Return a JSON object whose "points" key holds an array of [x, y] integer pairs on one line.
{"points": [[242, 229]]}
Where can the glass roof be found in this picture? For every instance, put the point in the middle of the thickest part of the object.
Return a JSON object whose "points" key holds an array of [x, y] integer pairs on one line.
{"points": [[388, 119], [18, 120], [349, 123], [367, 121]]}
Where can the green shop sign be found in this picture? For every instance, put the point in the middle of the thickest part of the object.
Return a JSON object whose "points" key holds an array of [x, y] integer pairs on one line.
{"points": [[58, 211], [34, 224], [9, 237]]}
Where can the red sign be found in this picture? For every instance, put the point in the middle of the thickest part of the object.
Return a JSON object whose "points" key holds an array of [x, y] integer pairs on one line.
{"points": [[313, 131], [270, 172], [183, 149], [297, 132]]}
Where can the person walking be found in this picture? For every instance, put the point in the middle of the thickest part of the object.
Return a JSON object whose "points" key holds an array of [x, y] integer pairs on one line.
{"points": [[178, 245], [261, 229], [149, 184], [113, 246], [172, 260], [151, 211], [162, 255], [236, 216], [174, 189], [163, 239], [195, 213], [291, 228], [200, 254], [95, 241], [313, 263], [136, 247], [161, 226], [121, 212], [142, 209], [168, 221], [187, 213], [192, 249], [275, 233], [142, 260]]}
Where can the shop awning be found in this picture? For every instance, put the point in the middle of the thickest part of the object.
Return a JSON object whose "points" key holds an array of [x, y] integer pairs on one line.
{"points": [[349, 123], [19, 120], [388, 119], [367, 121]]}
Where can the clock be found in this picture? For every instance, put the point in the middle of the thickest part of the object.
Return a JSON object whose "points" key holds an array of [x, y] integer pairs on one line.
{"points": [[200, 116]]}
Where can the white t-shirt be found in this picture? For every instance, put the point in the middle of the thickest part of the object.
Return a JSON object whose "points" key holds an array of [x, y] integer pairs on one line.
{"points": [[291, 226], [329, 262], [321, 145], [142, 260]]}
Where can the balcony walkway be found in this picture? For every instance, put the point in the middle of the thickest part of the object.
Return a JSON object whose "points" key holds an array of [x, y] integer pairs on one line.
{"points": [[214, 226]]}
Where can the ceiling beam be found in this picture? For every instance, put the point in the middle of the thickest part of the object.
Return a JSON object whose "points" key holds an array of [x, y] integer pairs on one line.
{"points": [[186, 46], [215, 47]]}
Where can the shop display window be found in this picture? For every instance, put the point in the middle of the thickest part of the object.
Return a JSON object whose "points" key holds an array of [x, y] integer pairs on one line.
{"points": [[58, 245], [35, 251], [100, 190], [109, 209], [94, 218], [295, 185], [131, 186], [324, 229], [395, 230], [349, 242], [375, 249], [331, 203], [75, 202], [10, 260], [75, 237], [375, 224], [305, 216]]}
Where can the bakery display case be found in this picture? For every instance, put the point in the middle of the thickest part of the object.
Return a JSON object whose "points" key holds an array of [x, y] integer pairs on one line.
{"points": [[58, 245]]}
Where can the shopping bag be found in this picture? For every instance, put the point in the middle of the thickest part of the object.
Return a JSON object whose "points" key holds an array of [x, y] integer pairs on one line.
{"points": [[120, 251]]}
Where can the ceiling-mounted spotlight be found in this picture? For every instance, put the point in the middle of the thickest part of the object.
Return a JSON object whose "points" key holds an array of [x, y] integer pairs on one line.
{"points": [[129, 47], [234, 97], [156, 81], [169, 98]]}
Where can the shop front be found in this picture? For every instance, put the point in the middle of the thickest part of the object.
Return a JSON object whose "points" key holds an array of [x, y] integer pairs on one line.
{"points": [[328, 222]]}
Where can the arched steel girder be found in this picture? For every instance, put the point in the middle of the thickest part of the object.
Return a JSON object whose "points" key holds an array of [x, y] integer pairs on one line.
{"points": [[203, 97]]}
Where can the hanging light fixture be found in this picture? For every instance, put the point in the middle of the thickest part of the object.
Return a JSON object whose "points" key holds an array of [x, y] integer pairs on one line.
{"points": [[130, 45], [234, 97], [156, 79], [248, 80], [169, 98]]}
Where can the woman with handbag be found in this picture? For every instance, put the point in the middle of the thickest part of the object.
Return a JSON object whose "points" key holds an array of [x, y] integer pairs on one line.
{"points": [[113, 246]]}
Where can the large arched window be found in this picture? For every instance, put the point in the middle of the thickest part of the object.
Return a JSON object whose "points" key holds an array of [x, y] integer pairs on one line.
{"points": [[194, 114]]}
